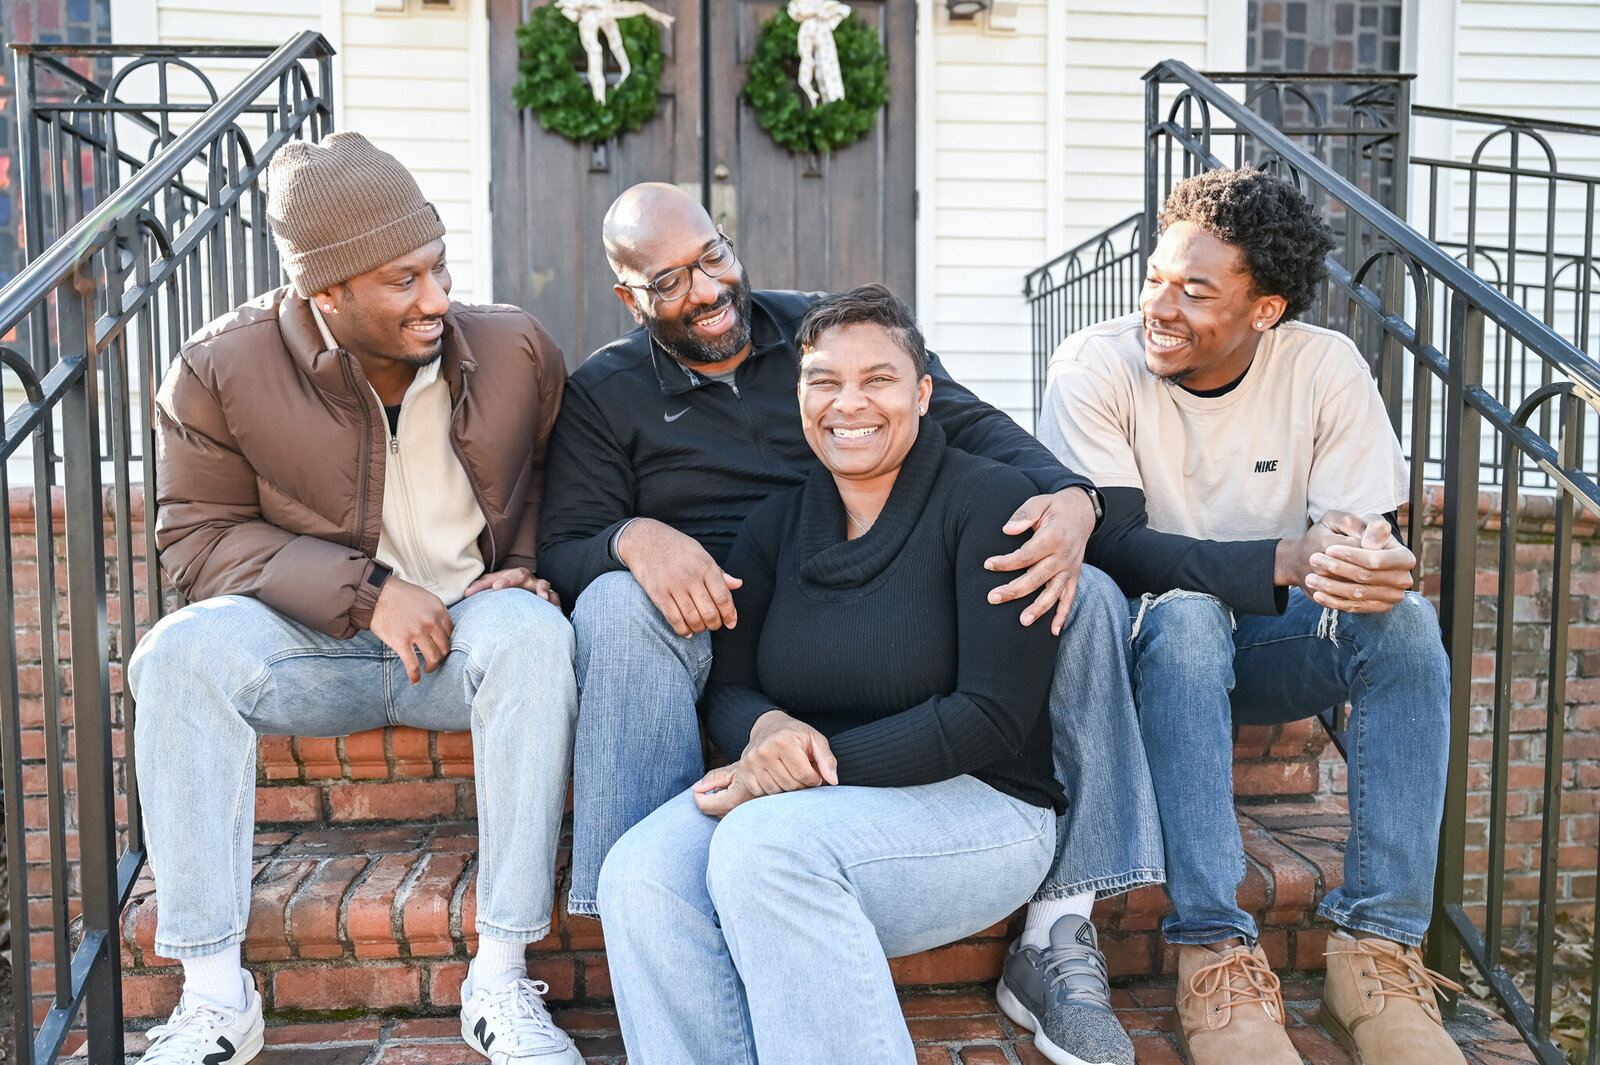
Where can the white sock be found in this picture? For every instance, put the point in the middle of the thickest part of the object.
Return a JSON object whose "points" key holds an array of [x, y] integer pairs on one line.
{"points": [[1042, 916], [217, 977], [499, 962]]}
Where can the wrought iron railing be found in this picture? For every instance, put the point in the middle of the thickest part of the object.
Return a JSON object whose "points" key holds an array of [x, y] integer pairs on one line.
{"points": [[1097, 280], [1424, 319], [145, 217], [1515, 202]]}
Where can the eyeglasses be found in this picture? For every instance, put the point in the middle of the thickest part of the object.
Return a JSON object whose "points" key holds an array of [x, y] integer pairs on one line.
{"points": [[675, 284]]}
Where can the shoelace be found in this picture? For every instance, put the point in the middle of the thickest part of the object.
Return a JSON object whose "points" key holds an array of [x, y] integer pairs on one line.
{"points": [[186, 1031], [1218, 977], [525, 1012], [1062, 964], [1400, 975]]}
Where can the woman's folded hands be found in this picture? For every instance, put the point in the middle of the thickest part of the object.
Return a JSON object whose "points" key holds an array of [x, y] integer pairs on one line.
{"points": [[783, 754]]}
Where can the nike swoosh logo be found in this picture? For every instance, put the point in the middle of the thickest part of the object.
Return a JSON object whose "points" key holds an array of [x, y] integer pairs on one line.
{"points": [[675, 417]]}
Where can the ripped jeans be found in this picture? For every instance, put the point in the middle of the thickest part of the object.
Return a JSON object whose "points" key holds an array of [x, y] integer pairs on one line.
{"points": [[1198, 670]]}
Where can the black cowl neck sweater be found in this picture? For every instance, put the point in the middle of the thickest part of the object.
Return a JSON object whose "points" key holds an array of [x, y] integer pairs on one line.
{"points": [[887, 644]]}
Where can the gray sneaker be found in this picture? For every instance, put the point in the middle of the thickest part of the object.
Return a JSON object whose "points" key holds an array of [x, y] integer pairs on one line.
{"points": [[1060, 994]]}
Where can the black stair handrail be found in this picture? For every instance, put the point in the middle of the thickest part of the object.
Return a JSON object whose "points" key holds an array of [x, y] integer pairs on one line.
{"points": [[40, 277], [103, 306], [1424, 317]]}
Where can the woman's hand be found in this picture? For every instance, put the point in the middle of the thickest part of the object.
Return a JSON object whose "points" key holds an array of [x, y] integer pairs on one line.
{"points": [[722, 789], [784, 754]]}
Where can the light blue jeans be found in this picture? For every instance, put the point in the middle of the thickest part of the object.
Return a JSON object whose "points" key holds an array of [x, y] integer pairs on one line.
{"points": [[638, 741], [1196, 675], [213, 675], [766, 936]]}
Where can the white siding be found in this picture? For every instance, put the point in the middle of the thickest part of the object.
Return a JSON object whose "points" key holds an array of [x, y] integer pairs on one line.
{"points": [[1537, 58], [984, 190], [1036, 144], [410, 82], [1110, 45]]}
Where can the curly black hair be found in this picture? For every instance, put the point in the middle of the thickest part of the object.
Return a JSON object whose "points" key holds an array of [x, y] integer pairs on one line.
{"points": [[1283, 239]]}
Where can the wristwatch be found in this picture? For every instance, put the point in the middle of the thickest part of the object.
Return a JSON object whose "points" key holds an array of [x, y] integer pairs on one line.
{"points": [[1097, 501], [379, 574]]}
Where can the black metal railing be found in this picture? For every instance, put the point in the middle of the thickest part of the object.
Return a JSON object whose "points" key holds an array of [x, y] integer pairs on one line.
{"points": [[1515, 202], [1431, 318], [1097, 280], [145, 218]]}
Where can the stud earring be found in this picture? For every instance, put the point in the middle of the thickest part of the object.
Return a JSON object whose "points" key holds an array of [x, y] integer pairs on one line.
{"points": [[330, 310], [1261, 325], [922, 410]]}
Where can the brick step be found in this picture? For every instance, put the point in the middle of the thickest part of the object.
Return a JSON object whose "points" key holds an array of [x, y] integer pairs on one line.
{"points": [[961, 1026], [406, 774], [381, 918]]}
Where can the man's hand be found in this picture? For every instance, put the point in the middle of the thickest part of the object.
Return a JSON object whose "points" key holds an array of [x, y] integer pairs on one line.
{"points": [[722, 789], [520, 577], [1053, 555], [1368, 577], [784, 754], [412, 620], [681, 579], [1347, 562]]}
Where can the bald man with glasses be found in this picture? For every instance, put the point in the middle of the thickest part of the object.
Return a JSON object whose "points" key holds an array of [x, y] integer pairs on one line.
{"points": [[666, 439]]}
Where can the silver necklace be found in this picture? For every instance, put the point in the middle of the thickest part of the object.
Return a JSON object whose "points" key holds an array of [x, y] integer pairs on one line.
{"points": [[857, 522]]}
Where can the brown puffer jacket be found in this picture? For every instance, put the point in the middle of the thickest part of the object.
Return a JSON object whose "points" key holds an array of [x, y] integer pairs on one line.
{"points": [[270, 454]]}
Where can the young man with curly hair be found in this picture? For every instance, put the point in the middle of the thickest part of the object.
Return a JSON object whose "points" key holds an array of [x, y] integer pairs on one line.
{"points": [[1251, 477]]}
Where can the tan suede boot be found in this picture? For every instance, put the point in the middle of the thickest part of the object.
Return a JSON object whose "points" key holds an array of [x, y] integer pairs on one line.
{"points": [[1230, 1008], [1380, 1004]]}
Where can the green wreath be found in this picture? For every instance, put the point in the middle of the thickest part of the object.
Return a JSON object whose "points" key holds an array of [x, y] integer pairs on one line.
{"points": [[552, 56], [781, 109]]}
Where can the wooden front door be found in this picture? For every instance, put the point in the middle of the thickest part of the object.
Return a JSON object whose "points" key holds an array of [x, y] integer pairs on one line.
{"points": [[811, 223]]}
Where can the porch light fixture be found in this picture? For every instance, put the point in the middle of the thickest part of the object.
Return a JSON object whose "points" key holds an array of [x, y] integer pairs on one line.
{"points": [[965, 10]]}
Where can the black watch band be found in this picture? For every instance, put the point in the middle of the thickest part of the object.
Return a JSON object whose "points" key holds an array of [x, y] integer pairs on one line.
{"points": [[379, 574], [1097, 501]]}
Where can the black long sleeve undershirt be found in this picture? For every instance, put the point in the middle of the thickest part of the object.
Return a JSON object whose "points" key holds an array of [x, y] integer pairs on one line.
{"points": [[1141, 560]]}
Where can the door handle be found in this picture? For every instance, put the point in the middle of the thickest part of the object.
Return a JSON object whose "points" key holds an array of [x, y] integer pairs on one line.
{"points": [[725, 204]]}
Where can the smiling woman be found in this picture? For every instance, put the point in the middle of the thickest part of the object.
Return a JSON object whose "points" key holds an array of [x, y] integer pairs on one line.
{"points": [[861, 395], [892, 729]]}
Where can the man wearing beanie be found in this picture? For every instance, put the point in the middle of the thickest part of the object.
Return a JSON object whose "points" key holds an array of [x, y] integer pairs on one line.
{"points": [[348, 480]]}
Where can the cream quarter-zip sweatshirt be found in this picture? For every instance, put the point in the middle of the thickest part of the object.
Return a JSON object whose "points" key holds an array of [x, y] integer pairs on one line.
{"points": [[431, 519]]}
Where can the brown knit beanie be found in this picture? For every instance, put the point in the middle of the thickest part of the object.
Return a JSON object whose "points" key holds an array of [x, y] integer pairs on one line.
{"points": [[341, 208]]}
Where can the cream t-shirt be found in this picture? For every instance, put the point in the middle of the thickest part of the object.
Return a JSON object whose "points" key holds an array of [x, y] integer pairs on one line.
{"points": [[1304, 432]]}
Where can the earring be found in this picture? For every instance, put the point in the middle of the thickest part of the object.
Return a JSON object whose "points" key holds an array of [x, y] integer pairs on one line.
{"points": [[1261, 325], [330, 310], [922, 410]]}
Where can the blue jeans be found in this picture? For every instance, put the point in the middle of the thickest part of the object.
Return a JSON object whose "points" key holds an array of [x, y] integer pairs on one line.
{"points": [[766, 936], [213, 675], [1197, 671], [638, 740]]}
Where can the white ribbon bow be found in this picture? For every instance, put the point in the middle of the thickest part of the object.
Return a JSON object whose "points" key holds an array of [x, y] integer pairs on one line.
{"points": [[819, 58], [596, 16]]}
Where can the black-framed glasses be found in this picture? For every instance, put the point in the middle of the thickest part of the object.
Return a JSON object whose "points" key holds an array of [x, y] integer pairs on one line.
{"points": [[675, 283]]}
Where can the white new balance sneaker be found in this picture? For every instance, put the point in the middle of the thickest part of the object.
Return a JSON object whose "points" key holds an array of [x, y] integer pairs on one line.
{"points": [[201, 1032], [512, 1027]]}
